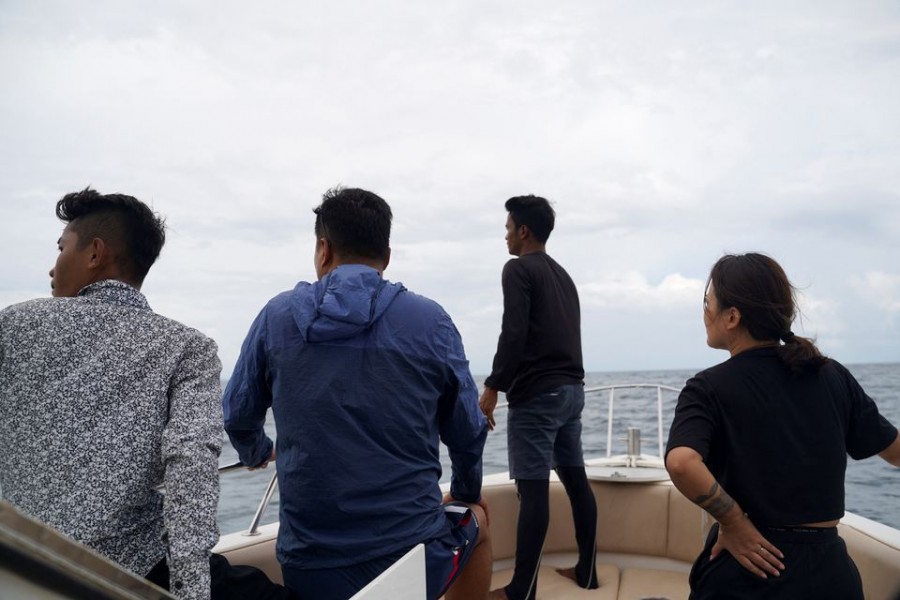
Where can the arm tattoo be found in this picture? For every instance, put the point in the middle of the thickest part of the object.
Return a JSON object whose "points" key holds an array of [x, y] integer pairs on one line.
{"points": [[716, 506], [705, 497], [720, 506]]}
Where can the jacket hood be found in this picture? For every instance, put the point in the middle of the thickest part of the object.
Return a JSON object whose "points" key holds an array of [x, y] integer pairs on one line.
{"points": [[342, 304]]}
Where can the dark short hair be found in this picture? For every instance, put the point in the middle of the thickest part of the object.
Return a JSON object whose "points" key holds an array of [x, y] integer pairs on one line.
{"points": [[123, 222], [534, 212], [356, 222], [759, 288]]}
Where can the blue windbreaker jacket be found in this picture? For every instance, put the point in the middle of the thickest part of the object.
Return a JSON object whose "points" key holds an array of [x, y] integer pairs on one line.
{"points": [[364, 378]]}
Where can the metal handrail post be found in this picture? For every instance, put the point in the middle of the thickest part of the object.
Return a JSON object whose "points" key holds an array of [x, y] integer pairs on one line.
{"points": [[231, 467], [659, 418], [660, 388], [254, 524], [609, 423]]}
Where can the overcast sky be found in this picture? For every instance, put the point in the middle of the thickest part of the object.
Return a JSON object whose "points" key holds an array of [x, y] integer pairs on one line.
{"points": [[664, 133]]}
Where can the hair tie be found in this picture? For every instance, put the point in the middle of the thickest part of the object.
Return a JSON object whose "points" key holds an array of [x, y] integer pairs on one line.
{"points": [[788, 337]]}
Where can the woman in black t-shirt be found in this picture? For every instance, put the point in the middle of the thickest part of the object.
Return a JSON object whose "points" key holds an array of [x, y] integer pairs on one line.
{"points": [[761, 442]]}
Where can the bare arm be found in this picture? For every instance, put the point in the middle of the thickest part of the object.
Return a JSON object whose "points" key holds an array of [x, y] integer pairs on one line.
{"points": [[737, 534], [892, 453]]}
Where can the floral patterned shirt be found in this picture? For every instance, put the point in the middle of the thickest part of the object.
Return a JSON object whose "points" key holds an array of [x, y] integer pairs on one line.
{"points": [[101, 400]]}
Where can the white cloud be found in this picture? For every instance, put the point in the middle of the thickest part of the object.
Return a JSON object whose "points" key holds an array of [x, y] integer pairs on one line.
{"points": [[882, 290], [632, 291], [819, 318]]}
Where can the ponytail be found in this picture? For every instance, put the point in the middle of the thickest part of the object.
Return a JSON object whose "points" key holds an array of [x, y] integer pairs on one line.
{"points": [[800, 353]]}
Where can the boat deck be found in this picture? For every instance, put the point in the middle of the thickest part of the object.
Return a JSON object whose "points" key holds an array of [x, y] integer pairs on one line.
{"points": [[648, 537]]}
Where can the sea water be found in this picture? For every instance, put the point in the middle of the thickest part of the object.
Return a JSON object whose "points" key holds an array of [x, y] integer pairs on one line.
{"points": [[872, 485]]}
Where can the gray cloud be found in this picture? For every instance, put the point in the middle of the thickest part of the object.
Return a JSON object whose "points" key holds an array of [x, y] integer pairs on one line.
{"points": [[665, 134]]}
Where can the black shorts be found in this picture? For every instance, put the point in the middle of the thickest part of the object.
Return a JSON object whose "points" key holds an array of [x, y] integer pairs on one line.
{"points": [[545, 432], [816, 563]]}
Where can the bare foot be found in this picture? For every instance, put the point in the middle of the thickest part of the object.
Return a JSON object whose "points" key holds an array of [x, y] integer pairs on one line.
{"points": [[568, 574], [498, 594]]}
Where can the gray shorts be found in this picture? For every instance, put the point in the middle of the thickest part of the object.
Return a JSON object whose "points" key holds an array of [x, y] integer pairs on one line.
{"points": [[544, 432]]}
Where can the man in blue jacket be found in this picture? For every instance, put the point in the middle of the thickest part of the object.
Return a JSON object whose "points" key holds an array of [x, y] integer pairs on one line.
{"points": [[364, 378]]}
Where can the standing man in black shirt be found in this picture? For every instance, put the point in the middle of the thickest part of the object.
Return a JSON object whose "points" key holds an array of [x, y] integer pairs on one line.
{"points": [[538, 365]]}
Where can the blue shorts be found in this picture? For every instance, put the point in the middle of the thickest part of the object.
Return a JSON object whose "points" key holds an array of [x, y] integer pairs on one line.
{"points": [[445, 556], [544, 432]]}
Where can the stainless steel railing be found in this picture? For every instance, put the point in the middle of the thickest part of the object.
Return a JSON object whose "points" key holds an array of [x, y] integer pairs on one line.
{"points": [[267, 496], [612, 401], [660, 388]]}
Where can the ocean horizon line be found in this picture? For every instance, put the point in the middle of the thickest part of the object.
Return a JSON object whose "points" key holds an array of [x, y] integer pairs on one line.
{"points": [[483, 376]]}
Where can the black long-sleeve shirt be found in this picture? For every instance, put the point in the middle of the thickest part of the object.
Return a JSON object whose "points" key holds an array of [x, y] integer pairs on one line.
{"points": [[540, 342]]}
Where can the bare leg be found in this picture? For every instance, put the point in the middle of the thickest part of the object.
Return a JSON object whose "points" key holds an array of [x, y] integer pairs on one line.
{"points": [[568, 573], [475, 579]]}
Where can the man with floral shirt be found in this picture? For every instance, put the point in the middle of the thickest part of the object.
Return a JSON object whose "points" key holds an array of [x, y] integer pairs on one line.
{"points": [[101, 400]]}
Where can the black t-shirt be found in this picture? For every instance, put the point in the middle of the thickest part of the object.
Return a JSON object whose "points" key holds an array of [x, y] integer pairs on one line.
{"points": [[540, 343], [777, 442]]}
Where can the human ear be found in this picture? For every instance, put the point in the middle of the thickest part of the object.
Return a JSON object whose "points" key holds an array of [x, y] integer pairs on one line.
{"points": [[323, 258], [327, 252], [98, 252], [734, 318]]}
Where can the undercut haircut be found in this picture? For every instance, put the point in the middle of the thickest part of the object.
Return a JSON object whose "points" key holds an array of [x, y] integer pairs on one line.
{"points": [[124, 223], [535, 213], [357, 223]]}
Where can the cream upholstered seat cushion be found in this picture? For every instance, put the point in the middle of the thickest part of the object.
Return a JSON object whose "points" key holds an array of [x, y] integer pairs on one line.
{"points": [[632, 517], [637, 584], [687, 528], [877, 563], [553, 586]]}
